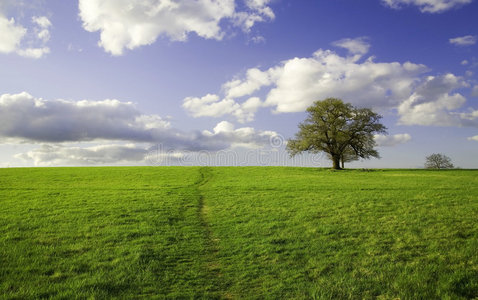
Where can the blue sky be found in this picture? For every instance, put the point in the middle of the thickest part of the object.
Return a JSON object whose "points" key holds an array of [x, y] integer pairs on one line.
{"points": [[147, 82]]}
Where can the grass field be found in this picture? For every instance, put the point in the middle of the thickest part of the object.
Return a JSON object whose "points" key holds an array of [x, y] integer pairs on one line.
{"points": [[252, 232]]}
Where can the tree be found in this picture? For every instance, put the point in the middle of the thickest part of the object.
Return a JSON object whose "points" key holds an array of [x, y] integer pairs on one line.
{"points": [[339, 129], [348, 156], [438, 161]]}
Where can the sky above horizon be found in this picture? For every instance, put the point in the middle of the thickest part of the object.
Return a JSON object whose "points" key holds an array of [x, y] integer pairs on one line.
{"points": [[172, 82]]}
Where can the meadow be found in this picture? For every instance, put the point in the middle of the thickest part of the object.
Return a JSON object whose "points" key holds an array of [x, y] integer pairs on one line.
{"points": [[238, 233]]}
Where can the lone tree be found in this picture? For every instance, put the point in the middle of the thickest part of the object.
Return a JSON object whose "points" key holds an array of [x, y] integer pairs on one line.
{"points": [[339, 129], [438, 161]]}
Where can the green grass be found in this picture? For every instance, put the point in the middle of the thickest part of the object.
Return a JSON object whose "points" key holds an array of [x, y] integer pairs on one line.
{"points": [[252, 232]]}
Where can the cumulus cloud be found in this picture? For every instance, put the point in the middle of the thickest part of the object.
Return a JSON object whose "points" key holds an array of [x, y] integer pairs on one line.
{"points": [[301, 81], [14, 36], [391, 140], [466, 40], [212, 106], [358, 46], [254, 80], [473, 138], [11, 34], [24, 118], [295, 84], [246, 137], [429, 6], [131, 24], [433, 101]]}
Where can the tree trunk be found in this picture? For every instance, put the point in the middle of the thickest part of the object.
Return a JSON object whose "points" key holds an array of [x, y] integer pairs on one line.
{"points": [[342, 161], [336, 162]]}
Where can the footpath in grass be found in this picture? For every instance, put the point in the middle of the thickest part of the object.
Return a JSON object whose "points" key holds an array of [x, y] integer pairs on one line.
{"points": [[102, 233], [253, 232]]}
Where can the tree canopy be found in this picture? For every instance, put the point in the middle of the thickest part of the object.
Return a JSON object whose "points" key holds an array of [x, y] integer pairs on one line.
{"points": [[344, 132], [438, 161]]}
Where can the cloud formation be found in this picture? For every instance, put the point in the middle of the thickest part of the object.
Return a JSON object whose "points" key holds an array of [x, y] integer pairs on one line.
{"points": [[295, 84], [246, 137], [428, 6], [11, 35], [24, 118], [212, 106], [433, 103], [466, 40], [14, 37], [391, 140], [131, 24], [358, 46], [60, 155]]}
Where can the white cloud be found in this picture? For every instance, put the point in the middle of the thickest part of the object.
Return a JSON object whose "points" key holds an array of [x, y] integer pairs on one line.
{"points": [[246, 137], [304, 80], [391, 140], [255, 80], [261, 7], [223, 126], [134, 23], [464, 62], [43, 22], [467, 40], [42, 31], [211, 106], [433, 101], [11, 35], [295, 84], [473, 138], [25, 119], [357, 46], [429, 6], [33, 52], [259, 12], [14, 36]]}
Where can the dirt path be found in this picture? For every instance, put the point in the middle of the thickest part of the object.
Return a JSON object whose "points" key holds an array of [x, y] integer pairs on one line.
{"points": [[212, 243]]}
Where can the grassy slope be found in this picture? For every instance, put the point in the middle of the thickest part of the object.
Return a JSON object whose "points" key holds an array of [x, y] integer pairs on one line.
{"points": [[238, 233]]}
